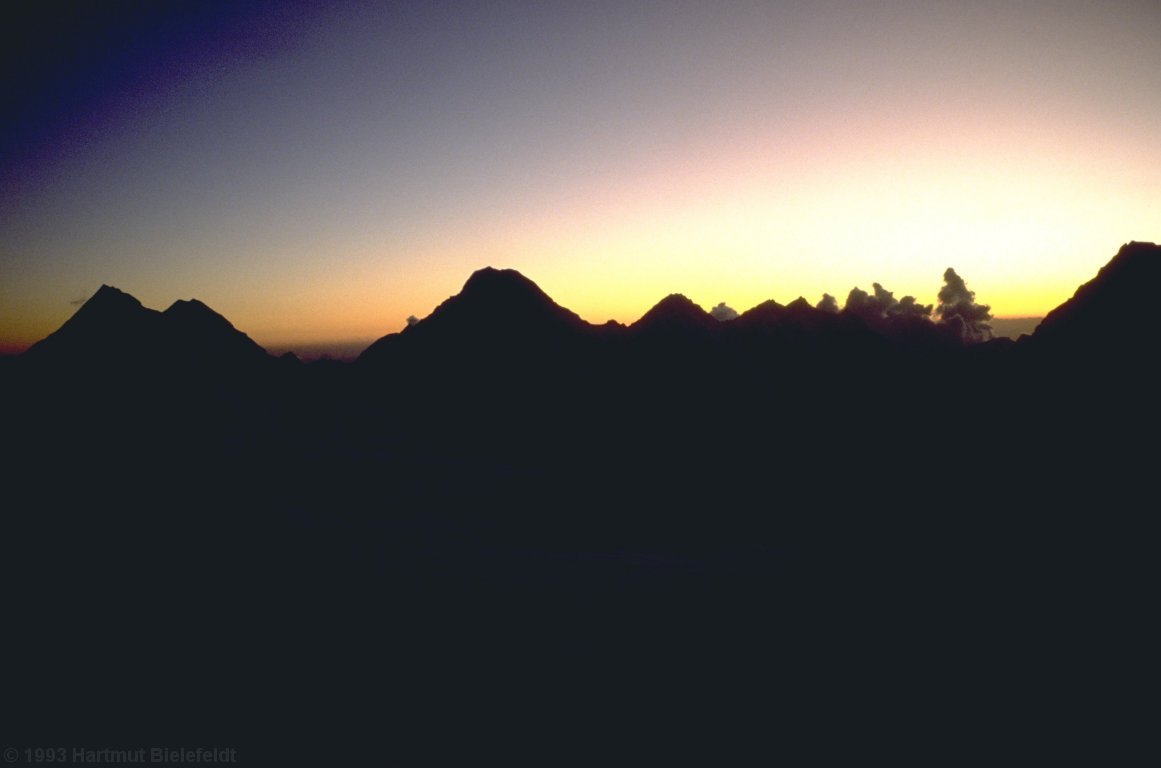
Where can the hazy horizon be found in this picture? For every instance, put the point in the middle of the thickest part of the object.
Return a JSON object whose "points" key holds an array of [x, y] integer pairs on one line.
{"points": [[318, 173]]}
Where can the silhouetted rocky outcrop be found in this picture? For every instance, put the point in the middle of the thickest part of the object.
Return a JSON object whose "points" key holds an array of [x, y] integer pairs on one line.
{"points": [[1113, 312]]}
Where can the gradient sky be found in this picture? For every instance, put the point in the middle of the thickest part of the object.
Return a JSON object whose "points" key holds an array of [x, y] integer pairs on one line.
{"points": [[319, 171]]}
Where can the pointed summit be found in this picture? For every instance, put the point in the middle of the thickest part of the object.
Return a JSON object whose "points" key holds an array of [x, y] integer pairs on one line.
{"points": [[110, 323], [107, 305], [107, 295], [675, 312]]}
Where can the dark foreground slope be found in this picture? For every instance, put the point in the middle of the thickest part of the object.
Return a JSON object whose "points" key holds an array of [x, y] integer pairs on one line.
{"points": [[505, 525], [1109, 313]]}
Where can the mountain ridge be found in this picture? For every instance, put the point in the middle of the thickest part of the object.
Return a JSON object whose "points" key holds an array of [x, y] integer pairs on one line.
{"points": [[114, 326], [504, 309]]}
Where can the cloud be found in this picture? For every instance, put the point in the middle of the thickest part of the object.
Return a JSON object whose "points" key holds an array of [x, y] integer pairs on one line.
{"points": [[77, 302], [909, 307], [858, 303], [958, 309], [723, 313], [827, 303], [412, 320], [883, 304], [883, 297]]}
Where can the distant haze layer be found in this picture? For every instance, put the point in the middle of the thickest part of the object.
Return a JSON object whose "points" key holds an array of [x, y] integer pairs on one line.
{"points": [[1014, 327], [318, 172]]}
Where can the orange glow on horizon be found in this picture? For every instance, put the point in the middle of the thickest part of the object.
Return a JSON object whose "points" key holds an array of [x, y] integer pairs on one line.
{"points": [[747, 217], [364, 168]]}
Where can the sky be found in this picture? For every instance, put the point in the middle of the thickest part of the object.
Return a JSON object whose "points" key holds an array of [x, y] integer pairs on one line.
{"points": [[319, 171]]}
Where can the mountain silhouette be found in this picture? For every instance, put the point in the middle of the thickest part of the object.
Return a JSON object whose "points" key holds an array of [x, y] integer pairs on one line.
{"points": [[797, 321], [497, 310], [675, 314], [1109, 312], [801, 307], [114, 328], [767, 313], [498, 301], [502, 312], [200, 334], [110, 325]]}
